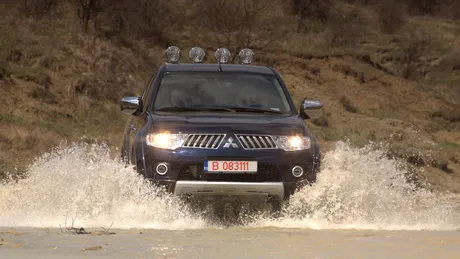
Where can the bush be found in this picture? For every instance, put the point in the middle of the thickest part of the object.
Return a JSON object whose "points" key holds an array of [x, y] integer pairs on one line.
{"points": [[3, 71], [142, 19], [391, 15], [87, 10], [321, 121], [44, 95], [36, 8], [39, 78], [236, 24], [311, 10], [451, 9], [412, 47], [430, 7], [347, 105], [345, 28]]}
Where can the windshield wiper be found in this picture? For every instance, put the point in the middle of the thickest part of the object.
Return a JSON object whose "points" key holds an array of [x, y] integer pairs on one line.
{"points": [[216, 109], [178, 109], [191, 108], [256, 110]]}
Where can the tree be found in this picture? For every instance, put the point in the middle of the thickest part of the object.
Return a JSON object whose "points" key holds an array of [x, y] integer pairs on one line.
{"points": [[237, 24], [36, 8], [311, 9], [413, 46], [87, 10], [391, 15], [430, 7], [141, 19], [345, 28]]}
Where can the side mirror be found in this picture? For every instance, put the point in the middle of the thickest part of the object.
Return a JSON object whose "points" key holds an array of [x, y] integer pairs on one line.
{"points": [[311, 109], [130, 105]]}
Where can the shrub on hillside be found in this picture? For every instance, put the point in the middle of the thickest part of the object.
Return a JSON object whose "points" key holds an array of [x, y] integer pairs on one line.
{"points": [[101, 86], [347, 104], [87, 10], [36, 8], [413, 45], [141, 19], [236, 24], [3, 72], [311, 10], [391, 15], [430, 7], [450, 9], [40, 78], [345, 27], [321, 122]]}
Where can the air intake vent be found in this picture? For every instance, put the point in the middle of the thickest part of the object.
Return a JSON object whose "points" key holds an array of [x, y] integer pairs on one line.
{"points": [[204, 140], [256, 141]]}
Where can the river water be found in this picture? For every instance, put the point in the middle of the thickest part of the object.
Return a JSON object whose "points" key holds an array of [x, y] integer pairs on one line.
{"points": [[362, 206]]}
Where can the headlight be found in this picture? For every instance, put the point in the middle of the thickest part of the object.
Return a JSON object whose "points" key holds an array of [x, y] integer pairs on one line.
{"points": [[292, 143], [166, 140]]}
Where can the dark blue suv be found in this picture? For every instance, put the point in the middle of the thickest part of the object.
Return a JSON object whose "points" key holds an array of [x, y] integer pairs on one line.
{"points": [[221, 130]]}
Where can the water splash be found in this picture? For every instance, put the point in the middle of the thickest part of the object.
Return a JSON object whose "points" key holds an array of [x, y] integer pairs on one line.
{"points": [[363, 189], [83, 185], [357, 188]]}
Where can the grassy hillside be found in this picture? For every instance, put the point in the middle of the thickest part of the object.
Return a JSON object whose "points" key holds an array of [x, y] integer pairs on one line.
{"points": [[384, 76]]}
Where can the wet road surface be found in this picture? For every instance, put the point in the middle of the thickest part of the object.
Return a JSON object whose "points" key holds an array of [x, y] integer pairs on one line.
{"points": [[233, 242]]}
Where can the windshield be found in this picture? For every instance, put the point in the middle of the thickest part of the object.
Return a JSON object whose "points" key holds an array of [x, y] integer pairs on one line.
{"points": [[221, 90]]}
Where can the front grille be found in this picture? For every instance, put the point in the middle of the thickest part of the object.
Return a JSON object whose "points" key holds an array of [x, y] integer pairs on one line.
{"points": [[256, 141], [204, 140], [265, 173]]}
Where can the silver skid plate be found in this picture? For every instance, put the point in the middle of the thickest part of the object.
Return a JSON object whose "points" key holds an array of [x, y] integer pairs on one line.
{"points": [[229, 188]]}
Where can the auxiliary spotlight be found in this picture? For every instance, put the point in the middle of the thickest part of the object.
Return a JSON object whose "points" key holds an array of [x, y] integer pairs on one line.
{"points": [[172, 54], [246, 56], [196, 54], [222, 55]]}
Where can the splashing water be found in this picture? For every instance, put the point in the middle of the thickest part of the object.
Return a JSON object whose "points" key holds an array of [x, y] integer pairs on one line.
{"points": [[363, 189], [357, 188], [83, 184]]}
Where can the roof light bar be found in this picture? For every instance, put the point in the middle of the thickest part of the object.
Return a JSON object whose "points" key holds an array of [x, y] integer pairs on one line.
{"points": [[172, 54], [246, 56], [196, 54], [222, 55]]}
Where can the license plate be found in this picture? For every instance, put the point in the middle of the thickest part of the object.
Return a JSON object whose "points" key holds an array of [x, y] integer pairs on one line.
{"points": [[230, 166]]}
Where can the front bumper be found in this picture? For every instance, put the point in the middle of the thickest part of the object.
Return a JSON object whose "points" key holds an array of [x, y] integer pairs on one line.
{"points": [[230, 188], [186, 176]]}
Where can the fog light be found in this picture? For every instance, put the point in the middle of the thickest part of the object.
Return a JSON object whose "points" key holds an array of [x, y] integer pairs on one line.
{"points": [[297, 171], [162, 169]]}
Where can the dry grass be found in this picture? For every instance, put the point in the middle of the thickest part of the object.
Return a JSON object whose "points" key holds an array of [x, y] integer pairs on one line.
{"points": [[30, 139], [347, 104], [390, 112], [39, 72], [61, 84], [23, 144]]}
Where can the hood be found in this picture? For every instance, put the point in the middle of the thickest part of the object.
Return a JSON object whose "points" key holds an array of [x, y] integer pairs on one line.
{"points": [[228, 123]]}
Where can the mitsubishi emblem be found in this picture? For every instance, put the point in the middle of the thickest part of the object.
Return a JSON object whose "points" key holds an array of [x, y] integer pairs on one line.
{"points": [[230, 143]]}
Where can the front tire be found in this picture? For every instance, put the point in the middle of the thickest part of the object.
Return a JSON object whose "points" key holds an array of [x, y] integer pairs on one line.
{"points": [[275, 207]]}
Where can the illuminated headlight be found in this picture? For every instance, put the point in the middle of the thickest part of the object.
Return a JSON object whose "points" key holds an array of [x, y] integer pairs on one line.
{"points": [[292, 143], [166, 140]]}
